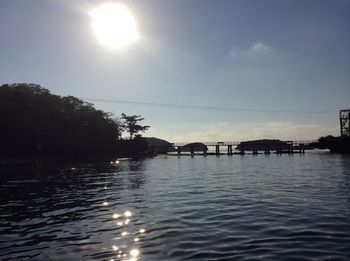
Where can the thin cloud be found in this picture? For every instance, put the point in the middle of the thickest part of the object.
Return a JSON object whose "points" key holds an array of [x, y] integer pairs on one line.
{"points": [[292, 130], [258, 48], [224, 131]]}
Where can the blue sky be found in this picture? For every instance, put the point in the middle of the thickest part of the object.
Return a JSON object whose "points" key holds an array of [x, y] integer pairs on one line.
{"points": [[268, 55]]}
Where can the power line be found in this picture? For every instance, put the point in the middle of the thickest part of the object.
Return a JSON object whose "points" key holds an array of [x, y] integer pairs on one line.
{"points": [[197, 107]]}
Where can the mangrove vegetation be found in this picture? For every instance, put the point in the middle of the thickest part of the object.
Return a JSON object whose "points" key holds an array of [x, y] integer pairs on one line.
{"points": [[37, 123]]}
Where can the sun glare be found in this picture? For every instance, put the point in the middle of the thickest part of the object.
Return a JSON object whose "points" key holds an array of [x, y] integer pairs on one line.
{"points": [[114, 25]]}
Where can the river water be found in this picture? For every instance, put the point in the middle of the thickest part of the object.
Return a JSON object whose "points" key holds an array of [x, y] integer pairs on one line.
{"points": [[190, 208]]}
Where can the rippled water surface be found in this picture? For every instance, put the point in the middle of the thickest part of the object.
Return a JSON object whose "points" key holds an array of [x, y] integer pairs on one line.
{"points": [[201, 208]]}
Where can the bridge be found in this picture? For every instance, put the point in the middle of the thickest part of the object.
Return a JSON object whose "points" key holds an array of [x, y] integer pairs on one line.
{"points": [[256, 147]]}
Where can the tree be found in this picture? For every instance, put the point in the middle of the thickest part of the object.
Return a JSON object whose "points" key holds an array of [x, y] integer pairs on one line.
{"points": [[35, 122], [131, 126]]}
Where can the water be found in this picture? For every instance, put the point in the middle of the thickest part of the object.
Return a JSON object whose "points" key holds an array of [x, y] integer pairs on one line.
{"points": [[202, 208]]}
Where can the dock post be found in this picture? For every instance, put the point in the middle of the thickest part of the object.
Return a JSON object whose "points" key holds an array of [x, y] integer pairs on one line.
{"points": [[242, 152], [217, 150], [178, 150], [290, 148], [229, 149], [204, 151], [278, 151], [192, 151]]}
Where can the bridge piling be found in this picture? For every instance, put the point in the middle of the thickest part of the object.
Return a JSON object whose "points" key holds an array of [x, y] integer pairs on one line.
{"points": [[267, 150], [192, 151], [217, 150], [278, 151], [255, 151], [229, 150]]}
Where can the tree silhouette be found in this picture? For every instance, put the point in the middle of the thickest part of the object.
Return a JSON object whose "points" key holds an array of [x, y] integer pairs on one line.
{"points": [[131, 126], [35, 122], [339, 144]]}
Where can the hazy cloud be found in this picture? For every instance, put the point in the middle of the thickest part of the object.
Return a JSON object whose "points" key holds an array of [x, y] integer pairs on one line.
{"points": [[259, 47], [292, 131], [256, 49], [224, 131]]}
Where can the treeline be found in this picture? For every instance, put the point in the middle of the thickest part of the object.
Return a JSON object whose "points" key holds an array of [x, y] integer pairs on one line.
{"points": [[339, 144], [35, 122]]}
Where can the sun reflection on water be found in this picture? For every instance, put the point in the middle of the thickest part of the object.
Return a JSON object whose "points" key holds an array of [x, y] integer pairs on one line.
{"points": [[114, 163], [126, 249], [134, 252], [127, 213], [125, 246]]}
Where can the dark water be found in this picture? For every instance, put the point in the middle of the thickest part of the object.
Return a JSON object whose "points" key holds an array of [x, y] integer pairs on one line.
{"points": [[202, 208]]}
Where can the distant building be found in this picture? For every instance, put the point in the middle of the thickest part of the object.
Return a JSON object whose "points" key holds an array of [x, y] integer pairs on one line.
{"points": [[344, 117]]}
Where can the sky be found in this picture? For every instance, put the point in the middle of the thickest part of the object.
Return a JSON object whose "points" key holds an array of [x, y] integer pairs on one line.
{"points": [[281, 67]]}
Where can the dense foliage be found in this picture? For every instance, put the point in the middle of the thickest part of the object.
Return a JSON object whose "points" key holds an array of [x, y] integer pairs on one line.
{"points": [[334, 144], [35, 122]]}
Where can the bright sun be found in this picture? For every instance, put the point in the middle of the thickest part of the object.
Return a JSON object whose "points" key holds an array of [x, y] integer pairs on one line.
{"points": [[114, 25]]}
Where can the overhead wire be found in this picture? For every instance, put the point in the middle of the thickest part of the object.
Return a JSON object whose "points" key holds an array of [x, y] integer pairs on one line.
{"points": [[199, 107]]}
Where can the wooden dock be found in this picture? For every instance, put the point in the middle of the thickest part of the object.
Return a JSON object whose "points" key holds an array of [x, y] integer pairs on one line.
{"points": [[230, 148]]}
